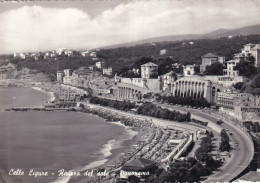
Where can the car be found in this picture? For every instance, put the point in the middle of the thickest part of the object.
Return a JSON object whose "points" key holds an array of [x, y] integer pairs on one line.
{"points": [[230, 133], [236, 144], [227, 129]]}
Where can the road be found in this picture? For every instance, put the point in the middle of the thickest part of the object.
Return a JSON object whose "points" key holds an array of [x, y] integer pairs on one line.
{"points": [[241, 155]]}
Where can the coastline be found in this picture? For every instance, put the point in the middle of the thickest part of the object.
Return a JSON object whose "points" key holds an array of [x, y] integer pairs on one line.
{"points": [[112, 151], [51, 94], [111, 154]]}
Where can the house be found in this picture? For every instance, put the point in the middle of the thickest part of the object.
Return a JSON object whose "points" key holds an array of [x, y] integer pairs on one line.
{"points": [[85, 53], [107, 71], [60, 75], [163, 52], [207, 60], [100, 64], [149, 70], [93, 54], [188, 70], [138, 167], [167, 79], [230, 71]]}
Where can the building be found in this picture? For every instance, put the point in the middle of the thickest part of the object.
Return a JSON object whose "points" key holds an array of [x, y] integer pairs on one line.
{"points": [[207, 60], [256, 54], [163, 52], [243, 106], [248, 49], [85, 53], [135, 88], [188, 70], [167, 79], [67, 72], [225, 101], [196, 87], [230, 71], [251, 50], [139, 167], [107, 71], [93, 54], [149, 70], [60, 75], [100, 64]]}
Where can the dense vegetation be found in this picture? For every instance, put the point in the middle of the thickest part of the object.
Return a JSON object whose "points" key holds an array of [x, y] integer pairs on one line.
{"points": [[50, 66], [203, 153], [147, 108], [214, 69], [176, 51], [126, 57], [224, 144], [188, 101], [152, 110]]}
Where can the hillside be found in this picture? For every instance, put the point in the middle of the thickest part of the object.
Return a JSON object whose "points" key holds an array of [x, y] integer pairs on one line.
{"points": [[178, 51], [125, 58], [247, 30]]}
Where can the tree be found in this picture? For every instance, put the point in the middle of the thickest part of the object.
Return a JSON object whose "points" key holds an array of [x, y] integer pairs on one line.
{"points": [[246, 68], [214, 69], [165, 176], [256, 81], [133, 179], [188, 116], [238, 85]]}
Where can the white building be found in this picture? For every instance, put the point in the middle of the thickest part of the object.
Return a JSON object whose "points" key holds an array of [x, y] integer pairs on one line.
{"points": [[93, 54], [163, 52], [254, 50], [149, 70], [107, 71], [100, 64], [85, 53], [167, 79], [188, 70], [230, 68]]}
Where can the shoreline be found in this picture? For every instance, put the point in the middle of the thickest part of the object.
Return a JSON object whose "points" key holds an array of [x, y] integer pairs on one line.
{"points": [[116, 153], [51, 94]]}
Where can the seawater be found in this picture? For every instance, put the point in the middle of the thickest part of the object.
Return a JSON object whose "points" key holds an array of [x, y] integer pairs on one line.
{"points": [[50, 141]]}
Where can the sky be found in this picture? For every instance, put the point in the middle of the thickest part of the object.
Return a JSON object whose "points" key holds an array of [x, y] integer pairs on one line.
{"points": [[82, 25]]}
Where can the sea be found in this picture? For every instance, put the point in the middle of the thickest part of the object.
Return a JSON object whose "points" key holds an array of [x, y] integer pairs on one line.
{"points": [[40, 141]]}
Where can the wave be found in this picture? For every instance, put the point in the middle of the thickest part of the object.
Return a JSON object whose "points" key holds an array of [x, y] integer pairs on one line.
{"points": [[36, 88], [104, 151], [50, 94]]}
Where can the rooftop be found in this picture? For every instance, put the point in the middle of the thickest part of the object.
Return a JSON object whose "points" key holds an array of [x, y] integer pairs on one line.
{"points": [[149, 64], [138, 164], [257, 47], [209, 55], [169, 73], [250, 44]]}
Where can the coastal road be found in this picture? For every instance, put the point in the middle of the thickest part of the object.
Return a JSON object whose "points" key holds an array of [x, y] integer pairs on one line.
{"points": [[241, 155]]}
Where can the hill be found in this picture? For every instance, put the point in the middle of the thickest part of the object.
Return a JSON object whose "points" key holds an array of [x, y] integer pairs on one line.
{"points": [[247, 30], [124, 58], [177, 52]]}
